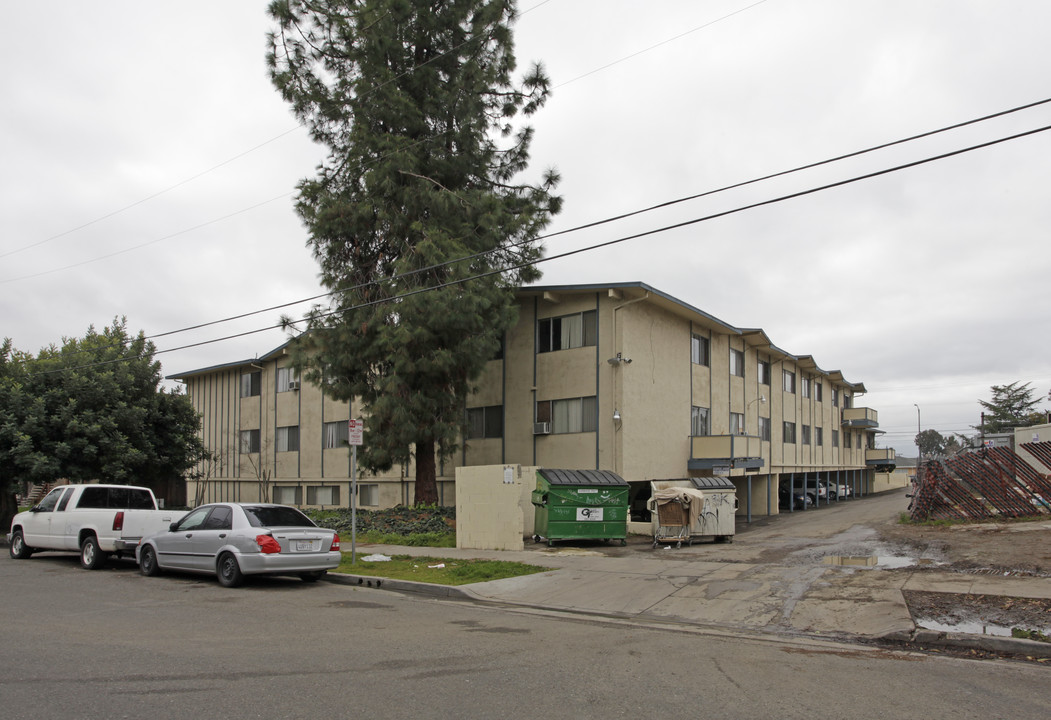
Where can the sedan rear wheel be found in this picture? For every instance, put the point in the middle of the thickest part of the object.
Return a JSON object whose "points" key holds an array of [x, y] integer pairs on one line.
{"points": [[148, 562], [228, 571]]}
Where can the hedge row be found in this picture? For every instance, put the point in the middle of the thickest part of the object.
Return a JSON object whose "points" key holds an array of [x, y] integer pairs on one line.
{"points": [[400, 520]]}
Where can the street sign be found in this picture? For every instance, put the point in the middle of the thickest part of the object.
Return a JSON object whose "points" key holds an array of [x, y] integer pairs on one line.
{"points": [[356, 432]]}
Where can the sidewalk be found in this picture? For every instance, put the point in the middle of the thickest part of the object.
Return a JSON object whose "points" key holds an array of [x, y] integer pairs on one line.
{"points": [[720, 588]]}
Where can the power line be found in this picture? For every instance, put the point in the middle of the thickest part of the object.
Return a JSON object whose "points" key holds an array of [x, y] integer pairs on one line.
{"points": [[646, 233], [589, 248], [634, 213]]}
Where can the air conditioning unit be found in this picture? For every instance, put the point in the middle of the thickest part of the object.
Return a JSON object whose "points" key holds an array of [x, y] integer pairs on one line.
{"points": [[542, 428], [293, 384]]}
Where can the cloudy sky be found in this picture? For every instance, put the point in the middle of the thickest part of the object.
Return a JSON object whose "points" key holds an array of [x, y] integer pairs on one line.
{"points": [[148, 170]]}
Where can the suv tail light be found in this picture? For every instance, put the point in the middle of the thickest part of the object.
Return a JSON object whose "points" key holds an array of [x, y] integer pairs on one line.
{"points": [[267, 544], [118, 520], [335, 543]]}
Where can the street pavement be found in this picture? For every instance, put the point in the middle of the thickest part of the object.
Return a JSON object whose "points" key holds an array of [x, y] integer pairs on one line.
{"points": [[820, 573]]}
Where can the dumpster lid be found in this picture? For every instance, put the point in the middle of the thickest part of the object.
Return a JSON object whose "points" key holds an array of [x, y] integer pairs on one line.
{"points": [[581, 477], [713, 483]]}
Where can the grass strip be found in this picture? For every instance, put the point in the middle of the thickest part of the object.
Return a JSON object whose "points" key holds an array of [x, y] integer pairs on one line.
{"points": [[438, 571]]}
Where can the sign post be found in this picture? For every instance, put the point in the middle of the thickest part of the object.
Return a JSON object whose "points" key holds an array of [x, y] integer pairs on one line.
{"points": [[355, 436]]}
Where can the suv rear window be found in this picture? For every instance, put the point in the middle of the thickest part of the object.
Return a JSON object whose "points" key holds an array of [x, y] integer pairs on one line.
{"points": [[276, 516]]}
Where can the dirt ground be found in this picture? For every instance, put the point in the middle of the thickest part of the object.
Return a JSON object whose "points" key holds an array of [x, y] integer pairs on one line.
{"points": [[1021, 549]]}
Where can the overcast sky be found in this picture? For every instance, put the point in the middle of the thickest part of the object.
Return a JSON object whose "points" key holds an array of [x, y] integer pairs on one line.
{"points": [[148, 169]]}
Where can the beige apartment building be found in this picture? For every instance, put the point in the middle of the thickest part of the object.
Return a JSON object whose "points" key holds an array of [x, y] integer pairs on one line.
{"points": [[618, 377]]}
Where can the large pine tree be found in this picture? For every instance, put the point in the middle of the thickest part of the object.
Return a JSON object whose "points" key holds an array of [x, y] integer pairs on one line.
{"points": [[416, 103]]}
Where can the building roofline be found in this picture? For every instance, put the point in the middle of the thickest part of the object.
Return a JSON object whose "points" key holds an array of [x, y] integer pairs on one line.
{"points": [[750, 334]]}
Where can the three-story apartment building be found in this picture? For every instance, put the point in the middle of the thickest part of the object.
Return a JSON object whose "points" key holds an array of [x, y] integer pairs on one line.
{"points": [[615, 377]]}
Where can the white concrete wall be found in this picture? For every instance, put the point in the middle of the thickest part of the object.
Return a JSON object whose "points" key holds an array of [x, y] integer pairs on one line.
{"points": [[493, 506]]}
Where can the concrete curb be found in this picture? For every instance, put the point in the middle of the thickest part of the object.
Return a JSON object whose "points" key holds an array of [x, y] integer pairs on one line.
{"points": [[961, 641], [919, 636], [406, 586]]}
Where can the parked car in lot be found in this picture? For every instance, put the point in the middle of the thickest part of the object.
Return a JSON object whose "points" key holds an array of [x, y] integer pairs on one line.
{"points": [[840, 491], [95, 519], [800, 500], [232, 540]]}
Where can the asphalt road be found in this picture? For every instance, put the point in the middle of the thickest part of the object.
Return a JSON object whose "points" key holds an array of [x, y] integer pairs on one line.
{"points": [[114, 644]]}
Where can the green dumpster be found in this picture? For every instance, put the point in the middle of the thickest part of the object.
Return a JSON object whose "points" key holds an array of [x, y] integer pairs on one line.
{"points": [[580, 505]]}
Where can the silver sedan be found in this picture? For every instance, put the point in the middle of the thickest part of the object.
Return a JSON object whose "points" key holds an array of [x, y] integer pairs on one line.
{"points": [[231, 540]]}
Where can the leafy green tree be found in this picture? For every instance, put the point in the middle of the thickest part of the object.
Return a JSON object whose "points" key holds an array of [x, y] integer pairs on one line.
{"points": [[1011, 406], [930, 442], [93, 409], [417, 104]]}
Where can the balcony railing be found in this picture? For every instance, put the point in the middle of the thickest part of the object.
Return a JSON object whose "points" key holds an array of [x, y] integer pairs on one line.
{"points": [[726, 452], [879, 456], [860, 418]]}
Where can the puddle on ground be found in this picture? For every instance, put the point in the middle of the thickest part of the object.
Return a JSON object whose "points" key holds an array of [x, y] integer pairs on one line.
{"points": [[971, 628], [875, 561]]}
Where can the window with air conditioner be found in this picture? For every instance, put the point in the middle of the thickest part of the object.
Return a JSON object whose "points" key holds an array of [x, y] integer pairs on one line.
{"points": [[571, 415], [286, 379]]}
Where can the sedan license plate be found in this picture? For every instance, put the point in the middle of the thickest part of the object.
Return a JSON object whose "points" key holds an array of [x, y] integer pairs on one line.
{"points": [[303, 545]]}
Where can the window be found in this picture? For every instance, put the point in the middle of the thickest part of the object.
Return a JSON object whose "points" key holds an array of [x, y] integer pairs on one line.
{"points": [[736, 363], [65, 499], [835, 397], [569, 416], [764, 372], [322, 494], [805, 439], [806, 387], [846, 400], [335, 434], [789, 432], [288, 439], [764, 429], [115, 498], [858, 436], [817, 391], [485, 422], [251, 383], [698, 421], [700, 350], [568, 331], [286, 376], [788, 381], [369, 494], [736, 423], [287, 495], [819, 436], [51, 499], [835, 438], [846, 440], [249, 441], [220, 518]]}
